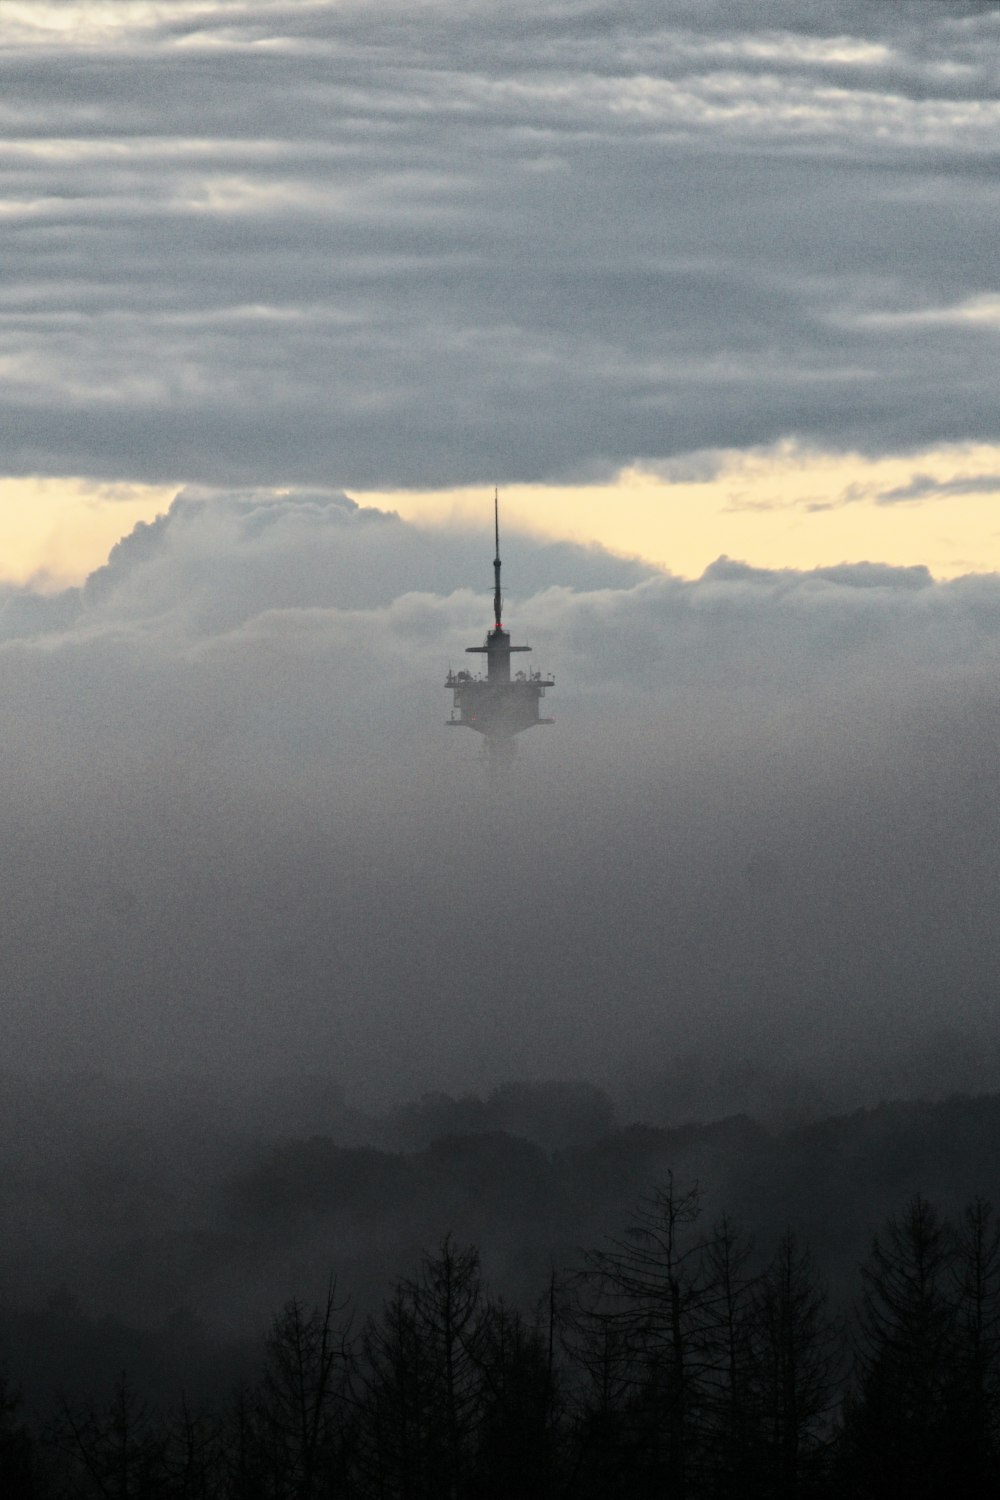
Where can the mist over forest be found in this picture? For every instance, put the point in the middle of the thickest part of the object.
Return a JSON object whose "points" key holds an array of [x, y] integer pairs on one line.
{"points": [[242, 841], [296, 990]]}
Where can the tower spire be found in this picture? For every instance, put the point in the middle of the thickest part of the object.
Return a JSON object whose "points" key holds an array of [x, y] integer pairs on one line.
{"points": [[500, 704], [496, 560]]}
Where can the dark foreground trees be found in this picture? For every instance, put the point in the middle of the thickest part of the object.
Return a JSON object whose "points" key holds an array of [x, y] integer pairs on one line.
{"points": [[423, 1383], [18, 1457], [922, 1420], [457, 1393], [291, 1437], [798, 1362], [677, 1364], [697, 1375]]}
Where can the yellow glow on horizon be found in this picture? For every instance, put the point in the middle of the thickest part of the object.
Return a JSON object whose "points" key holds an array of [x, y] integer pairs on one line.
{"points": [[53, 532], [783, 507]]}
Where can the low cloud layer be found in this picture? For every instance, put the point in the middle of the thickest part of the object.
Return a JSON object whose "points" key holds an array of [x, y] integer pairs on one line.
{"points": [[418, 246], [241, 838], [924, 487]]}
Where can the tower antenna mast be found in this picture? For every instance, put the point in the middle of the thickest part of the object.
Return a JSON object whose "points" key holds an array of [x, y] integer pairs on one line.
{"points": [[496, 560], [499, 704]]}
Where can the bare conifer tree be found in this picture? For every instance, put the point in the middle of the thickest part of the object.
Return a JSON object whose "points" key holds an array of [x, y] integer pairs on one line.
{"points": [[291, 1437], [899, 1427], [649, 1346], [195, 1456], [976, 1275], [423, 1391], [797, 1366], [115, 1453], [518, 1441], [729, 1437]]}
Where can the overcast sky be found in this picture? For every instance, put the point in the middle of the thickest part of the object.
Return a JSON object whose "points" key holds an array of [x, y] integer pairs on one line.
{"points": [[712, 284], [386, 246]]}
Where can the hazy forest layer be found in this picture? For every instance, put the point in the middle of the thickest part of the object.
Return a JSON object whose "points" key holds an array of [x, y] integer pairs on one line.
{"points": [[163, 1240]]}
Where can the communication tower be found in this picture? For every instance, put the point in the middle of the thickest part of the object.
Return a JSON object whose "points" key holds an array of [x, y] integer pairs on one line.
{"points": [[497, 704]]}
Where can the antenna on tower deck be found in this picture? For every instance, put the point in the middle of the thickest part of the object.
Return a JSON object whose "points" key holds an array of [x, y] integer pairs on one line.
{"points": [[500, 704], [496, 560]]}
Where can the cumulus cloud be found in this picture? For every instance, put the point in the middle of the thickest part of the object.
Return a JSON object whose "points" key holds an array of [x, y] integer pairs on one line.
{"points": [[313, 244], [241, 836]]}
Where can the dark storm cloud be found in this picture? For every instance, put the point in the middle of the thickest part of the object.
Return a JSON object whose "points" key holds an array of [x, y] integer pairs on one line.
{"points": [[336, 244], [240, 836]]}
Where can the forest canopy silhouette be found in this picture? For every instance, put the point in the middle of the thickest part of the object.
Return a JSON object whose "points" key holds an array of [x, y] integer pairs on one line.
{"points": [[687, 1347]]}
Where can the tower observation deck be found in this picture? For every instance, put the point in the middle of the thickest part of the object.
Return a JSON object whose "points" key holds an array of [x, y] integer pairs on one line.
{"points": [[497, 704]]}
